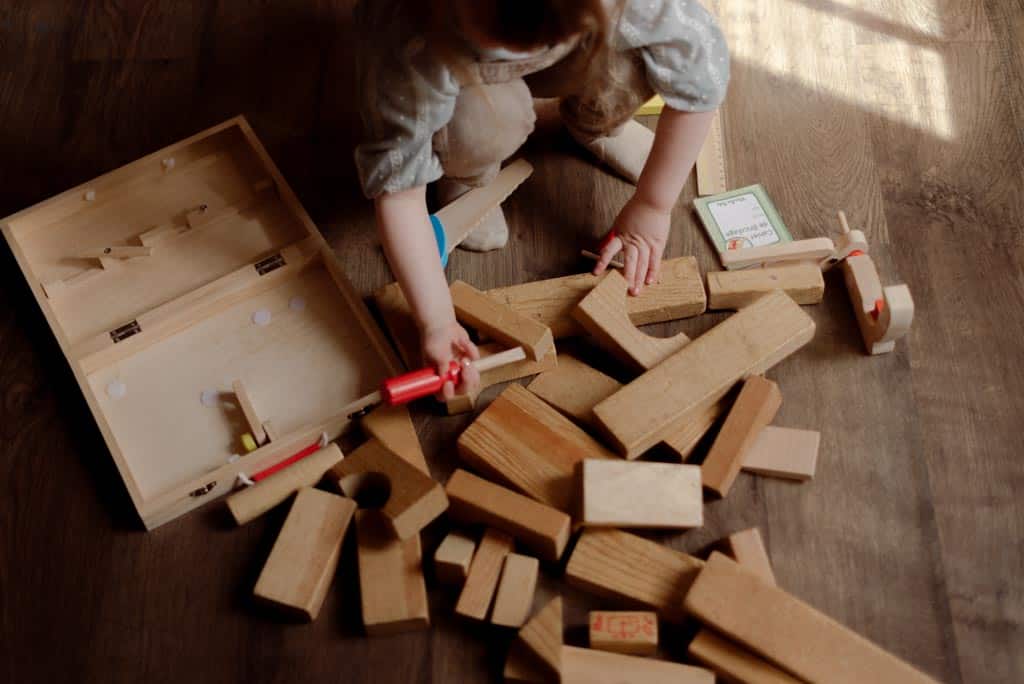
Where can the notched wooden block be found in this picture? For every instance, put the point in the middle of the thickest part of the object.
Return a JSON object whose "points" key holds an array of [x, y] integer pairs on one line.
{"points": [[542, 637], [411, 499], [392, 591]]}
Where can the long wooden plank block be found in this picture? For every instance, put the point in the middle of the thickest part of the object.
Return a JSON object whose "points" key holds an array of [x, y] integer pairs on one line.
{"points": [[602, 313], [542, 528], [736, 289], [678, 294], [685, 434], [642, 494], [574, 388], [460, 217], [525, 444], [500, 322], [734, 663], [785, 453], [589, 666], [624, 567], [643, 412], [302, 563], [758, 402], [542, 637], [484, 572], [787, 631], [391, 586], [252, 502], [514, 598]]}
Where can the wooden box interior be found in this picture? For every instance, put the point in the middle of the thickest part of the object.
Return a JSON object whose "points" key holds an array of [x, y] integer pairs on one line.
{"points": [[147, 336]]}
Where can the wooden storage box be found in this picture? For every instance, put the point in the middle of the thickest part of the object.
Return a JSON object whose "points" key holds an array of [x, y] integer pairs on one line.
{"points": [[239, 285]]}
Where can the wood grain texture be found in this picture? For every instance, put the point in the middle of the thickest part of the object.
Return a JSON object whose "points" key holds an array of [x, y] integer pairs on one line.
{"points": [[392, 590], [542, 637], [641, 495], [484, 573], [500, 322], [574, 388], [514, 598], [733, 663], [453, 557], [522, 442], [907, 115], [589, 666], [736, 289], [784, 452]]}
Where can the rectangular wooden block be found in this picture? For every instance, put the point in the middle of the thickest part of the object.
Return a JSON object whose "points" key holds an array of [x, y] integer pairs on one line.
{"points": [[463, 403], [602, 313], [750, 342], [522, 442], [627, 568], [758, 402], [391, 586], [589, 666], [787, 631], [542, 528], [642, 494], [514, 600], [501, 323], [304, 559], [542, 637], [252, 419], [453, 557], [733, 663], [678, 294], [684, 435], [626, 632], [478, 591], [736, 289], [574, 388], [414, 499], [747, 548], [784, 452]]}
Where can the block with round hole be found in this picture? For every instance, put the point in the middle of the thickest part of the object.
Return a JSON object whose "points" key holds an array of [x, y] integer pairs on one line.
{"points": [[376, 477]]}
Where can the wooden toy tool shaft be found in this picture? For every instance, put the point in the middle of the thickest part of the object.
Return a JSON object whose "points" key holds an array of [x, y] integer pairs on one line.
{"points": [[422, 383]]}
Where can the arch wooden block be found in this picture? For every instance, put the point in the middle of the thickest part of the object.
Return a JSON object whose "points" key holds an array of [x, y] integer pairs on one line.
{"points": [[603, 314], [414, 499]]}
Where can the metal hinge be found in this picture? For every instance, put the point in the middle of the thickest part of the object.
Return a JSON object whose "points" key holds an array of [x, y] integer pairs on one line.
{"points": [[125, 331], [271, 263], [204, 490]]}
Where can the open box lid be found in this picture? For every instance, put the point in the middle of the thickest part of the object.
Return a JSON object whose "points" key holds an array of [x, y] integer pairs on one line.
{"points": [[176, 280]]}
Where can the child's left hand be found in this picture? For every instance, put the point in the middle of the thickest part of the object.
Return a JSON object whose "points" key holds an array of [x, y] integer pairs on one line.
{"points": [[641, 233]]}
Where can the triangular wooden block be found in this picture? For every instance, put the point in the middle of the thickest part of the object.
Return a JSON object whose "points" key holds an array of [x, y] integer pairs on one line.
{"points": [[542, 637]]}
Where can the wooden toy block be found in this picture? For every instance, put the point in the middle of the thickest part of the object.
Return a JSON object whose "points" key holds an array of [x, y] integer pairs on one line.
{"points": [[499, 322], [396, 313], [736, 289], [602, 314], [663, 399], [522, 668], [392, 591], [413, 499], [787, 631], [678, 294], [484, 571], [626, 632], [641, 494], [784, 452], [525, 444], [733, 663], [813, 250], [460, 217], [518, 583], [684, 435], [624, 567], [116, 252], [758, 402], [747, 549], [392, 426], [252, 502], [463, 403], [574, 388], [590, 666], [542, 637], [305, 556], [541, 528], [249, 411], [453, 557], [712, 178]]}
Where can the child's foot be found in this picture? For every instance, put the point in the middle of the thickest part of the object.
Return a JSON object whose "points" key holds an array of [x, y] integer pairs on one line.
{"points": [[491, 234], [625, 151]]}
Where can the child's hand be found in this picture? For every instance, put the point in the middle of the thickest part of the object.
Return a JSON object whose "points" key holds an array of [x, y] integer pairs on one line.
{"points": [[450, 341], [641, 233]]}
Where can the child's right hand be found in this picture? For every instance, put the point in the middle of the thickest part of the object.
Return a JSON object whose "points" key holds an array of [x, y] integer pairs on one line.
{"points": [[441, 344]]}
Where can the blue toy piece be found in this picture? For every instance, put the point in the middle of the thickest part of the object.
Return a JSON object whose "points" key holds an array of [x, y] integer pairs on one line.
{"points": [[442, 239]]}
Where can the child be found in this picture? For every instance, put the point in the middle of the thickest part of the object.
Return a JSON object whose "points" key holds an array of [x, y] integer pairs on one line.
{"points": [[448, 89]]}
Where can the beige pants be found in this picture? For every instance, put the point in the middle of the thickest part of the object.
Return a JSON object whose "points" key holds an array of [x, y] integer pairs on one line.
{"points": [[494, 116]]}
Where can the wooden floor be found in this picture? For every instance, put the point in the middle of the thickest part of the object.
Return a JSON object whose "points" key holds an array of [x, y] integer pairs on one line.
{"points": [[908, 115]]}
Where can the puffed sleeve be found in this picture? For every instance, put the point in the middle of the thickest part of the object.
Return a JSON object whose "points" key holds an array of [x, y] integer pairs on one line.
{"points": [[683, 50], [406, 96]]}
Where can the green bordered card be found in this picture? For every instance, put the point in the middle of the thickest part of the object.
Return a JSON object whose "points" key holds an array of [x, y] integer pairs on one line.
{"points": [[742, 218]]}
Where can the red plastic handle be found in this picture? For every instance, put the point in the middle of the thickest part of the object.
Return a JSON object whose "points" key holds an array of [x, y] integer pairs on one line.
{"points": [[418, 384]]}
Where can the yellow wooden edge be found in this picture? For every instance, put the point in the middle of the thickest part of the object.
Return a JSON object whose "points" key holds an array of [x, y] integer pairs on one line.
{"points": [[652, 107]]}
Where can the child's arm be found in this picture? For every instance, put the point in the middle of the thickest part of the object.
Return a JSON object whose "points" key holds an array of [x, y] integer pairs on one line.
{"points": [[642, 226], [411, 249]]}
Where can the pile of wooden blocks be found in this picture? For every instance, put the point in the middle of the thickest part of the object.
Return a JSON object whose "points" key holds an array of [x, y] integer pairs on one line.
{"points": [[543, 462]]}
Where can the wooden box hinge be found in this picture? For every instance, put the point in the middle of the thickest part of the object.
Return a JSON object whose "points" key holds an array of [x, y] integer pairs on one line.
{"points": [[125, 331], [271, 263]]}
